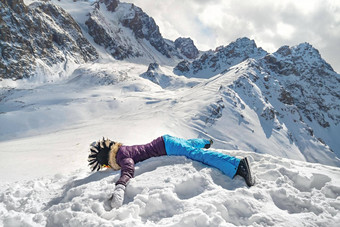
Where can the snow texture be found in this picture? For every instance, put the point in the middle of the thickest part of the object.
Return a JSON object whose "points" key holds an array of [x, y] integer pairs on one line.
{"points": [[48, 123], [46, 130], [174, 191]]}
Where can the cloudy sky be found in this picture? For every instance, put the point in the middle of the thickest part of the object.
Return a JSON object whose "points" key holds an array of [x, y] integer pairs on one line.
{"points": [[211, 23]]}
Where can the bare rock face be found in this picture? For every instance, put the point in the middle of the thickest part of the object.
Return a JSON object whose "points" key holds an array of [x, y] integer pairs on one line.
{"points": [[187, 47], [214, 62], [102, 37], [40, 31], [110, 4], [119, 43], [308, 82], [183, 67], [144, 27]]}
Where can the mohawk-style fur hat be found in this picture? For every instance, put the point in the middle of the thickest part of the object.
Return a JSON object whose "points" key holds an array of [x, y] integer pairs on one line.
{"points": [[104, 153]]}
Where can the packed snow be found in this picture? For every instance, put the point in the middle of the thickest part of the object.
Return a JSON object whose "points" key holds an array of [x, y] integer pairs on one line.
{"points": [[174, 191], [45, 134], [47, 125]]}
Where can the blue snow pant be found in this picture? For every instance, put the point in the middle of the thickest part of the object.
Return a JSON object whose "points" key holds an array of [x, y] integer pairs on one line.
{"points": [[193, 149]]}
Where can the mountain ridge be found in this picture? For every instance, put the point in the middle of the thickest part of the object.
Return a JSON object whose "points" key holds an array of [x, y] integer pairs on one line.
{"points": [[39, 35]]}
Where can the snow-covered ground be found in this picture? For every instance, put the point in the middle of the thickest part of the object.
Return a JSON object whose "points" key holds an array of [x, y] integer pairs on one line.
{"points": [[47, 124], [174, 191], [45, 134]]}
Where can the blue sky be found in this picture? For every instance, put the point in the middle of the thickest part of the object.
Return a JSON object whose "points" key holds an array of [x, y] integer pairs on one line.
{"points": [[272, 24]]}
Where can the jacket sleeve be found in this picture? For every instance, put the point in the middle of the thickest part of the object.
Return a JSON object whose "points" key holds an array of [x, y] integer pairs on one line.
{"points": [[127, 171]]}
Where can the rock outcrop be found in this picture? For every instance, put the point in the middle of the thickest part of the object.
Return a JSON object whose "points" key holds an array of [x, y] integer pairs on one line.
{"points": [[114, 36], [41, 31], [308, 82], [187, 47], [214, 62]]}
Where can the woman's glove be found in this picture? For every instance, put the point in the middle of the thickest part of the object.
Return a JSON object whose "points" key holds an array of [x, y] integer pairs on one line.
{"points": [[118, 196]]}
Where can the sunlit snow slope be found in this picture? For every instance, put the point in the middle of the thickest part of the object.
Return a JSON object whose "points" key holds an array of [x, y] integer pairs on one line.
{"points": [[47, 124], [46, 130]]}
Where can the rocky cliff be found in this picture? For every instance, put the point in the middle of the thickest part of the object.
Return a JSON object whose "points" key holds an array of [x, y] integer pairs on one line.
{"points": [[187, 47], [126, 31], [214, 62], [308, 82], [41, 32]]}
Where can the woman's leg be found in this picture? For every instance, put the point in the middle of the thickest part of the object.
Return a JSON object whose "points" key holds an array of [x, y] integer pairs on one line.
{"points": [[198, 143], [178, 146], [227, 164]]}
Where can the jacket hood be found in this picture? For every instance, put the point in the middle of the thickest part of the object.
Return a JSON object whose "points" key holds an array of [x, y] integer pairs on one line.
{"points": [[112, 156]]}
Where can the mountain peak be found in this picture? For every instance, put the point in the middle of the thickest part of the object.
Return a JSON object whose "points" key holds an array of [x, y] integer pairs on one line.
{"points": [[302, 47], [240, 43], [27, 38], [109, 27], [302, 55], [187, 47], [214, 62], [307, 81], [111, 5], [245, 41], [299, 50]]}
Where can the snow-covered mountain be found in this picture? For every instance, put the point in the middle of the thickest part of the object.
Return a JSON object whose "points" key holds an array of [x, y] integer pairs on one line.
{"points": [[102, 68], [187, 47], [212, 63], [127, 32], [39, 37]]}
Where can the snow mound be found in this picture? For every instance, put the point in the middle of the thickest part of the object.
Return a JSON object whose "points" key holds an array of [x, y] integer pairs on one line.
{"points": [[175, 191], [165, 78]]}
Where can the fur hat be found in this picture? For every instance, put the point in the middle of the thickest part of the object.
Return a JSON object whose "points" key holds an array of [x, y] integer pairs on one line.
{"points": [[103, 153]]}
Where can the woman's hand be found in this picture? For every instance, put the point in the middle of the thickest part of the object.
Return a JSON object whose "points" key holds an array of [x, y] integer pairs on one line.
{"points": [[118, 196]]}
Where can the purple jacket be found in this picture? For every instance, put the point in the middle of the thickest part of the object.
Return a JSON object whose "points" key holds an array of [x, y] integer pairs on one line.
{"points": [[127, 156], [124, 157]]}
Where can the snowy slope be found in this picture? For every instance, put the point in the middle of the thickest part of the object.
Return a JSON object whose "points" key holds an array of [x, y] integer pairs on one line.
{"points": [[174, 191], [92, 95], [47, 124], [47, 129], [122, 30], [267, 125]]}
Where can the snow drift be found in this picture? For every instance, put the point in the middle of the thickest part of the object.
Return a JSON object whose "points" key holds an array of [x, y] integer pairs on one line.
{"points": [[175, 191]]}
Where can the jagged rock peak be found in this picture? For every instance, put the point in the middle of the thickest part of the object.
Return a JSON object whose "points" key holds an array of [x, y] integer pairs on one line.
{"points": [[187, 47], [284, 51], [153, 66], [111, 5], [17, 6], [303, 49], [27, 35], [242, 42], [244, 45], [109, 30], [307, 81], [145, 27], [295, 60], [214, 62]]}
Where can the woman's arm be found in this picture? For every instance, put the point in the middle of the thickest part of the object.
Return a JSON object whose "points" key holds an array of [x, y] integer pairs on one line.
{"points": [[127, 172]]}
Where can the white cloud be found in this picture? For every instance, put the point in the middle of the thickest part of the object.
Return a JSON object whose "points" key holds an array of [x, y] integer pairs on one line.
{"points": [[284, 30], [270, 23]]}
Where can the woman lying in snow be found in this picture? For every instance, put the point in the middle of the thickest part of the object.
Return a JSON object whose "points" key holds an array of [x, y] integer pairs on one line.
{"points": [[107, 153]]}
